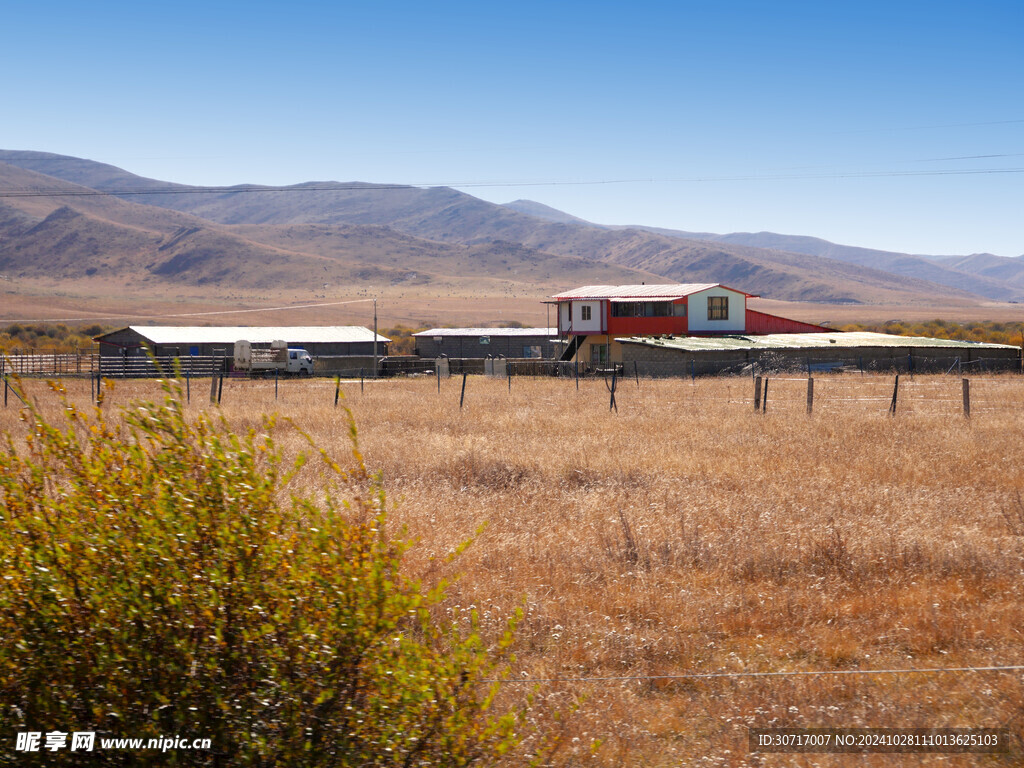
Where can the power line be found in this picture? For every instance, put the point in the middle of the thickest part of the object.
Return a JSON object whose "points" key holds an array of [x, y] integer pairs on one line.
{"points": [[85, 192], [190, 314]]}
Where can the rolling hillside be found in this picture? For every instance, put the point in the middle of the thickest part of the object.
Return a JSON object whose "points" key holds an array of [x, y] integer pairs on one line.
{"points": [[993, 277], [437, 239], [70, 235]]}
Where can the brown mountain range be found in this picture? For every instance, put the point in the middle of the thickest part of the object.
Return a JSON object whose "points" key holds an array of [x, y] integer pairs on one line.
{"points": [[69, 234], [71, 221]]}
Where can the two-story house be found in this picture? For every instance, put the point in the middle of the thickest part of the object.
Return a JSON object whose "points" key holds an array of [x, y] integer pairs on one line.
{"points": [[591, 317]]}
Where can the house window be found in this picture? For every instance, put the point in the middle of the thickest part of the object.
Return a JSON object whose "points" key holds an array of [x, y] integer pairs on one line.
{"points": [[584, 313], [599, 354], [718, 308], [642, 309]]}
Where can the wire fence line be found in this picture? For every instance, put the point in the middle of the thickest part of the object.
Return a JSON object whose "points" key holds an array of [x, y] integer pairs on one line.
{"points": [[784, 393], [55, 364], [85, 362]]}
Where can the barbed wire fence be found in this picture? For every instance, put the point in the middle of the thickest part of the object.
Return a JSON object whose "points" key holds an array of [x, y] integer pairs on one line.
{"points": [[976, 388]]}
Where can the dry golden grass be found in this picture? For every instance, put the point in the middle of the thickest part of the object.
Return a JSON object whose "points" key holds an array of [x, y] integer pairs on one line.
{"points": [[688, 534]]}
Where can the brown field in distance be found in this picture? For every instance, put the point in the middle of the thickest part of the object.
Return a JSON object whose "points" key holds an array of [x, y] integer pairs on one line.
{"points": [[688, 534], [285, 308], [839, 314], [83, 302]]}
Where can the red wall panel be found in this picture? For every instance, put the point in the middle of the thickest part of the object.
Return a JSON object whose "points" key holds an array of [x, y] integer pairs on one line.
{"points": [[760, 323]]}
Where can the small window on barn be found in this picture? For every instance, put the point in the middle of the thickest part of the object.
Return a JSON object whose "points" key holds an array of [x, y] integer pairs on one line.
{"points": [[584, 313], [718, 308]]}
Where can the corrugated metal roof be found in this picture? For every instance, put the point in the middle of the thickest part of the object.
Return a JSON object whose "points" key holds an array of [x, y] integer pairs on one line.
{"points": [[229, 334], [650, 292], [489, 332], [632, 299], [802, 341]]}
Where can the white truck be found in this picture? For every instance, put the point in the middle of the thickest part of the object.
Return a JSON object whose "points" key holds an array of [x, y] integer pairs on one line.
{"points": [[278, 357]]}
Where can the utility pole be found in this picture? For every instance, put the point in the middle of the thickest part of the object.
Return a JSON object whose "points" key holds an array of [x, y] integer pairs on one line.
{"points": [[375, 337]]}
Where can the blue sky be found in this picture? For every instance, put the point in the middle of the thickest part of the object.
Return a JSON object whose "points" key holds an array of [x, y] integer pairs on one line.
{"points": [[895, 125]]}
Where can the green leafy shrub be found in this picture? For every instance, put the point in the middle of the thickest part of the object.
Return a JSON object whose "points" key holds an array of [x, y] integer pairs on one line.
{"points": [[154, 583]]}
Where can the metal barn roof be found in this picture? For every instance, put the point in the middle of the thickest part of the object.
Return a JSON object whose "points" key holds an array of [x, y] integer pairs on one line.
{"points": [[229, 334], [802, 341], [489, 332], [647, 292]]}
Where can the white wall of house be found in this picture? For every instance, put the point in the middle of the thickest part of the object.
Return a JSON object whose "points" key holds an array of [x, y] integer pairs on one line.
{"points": [[698, 321], [591, 325], [563, 317]]}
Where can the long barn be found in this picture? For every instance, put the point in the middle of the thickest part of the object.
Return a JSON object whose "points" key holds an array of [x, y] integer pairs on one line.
{"points": [[670, 355], [218, 341]]}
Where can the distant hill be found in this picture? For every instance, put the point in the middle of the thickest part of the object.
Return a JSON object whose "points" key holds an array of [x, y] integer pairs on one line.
{"points": [[546, 212], [931, 268], [71, 235], [438, 238], [955, 272], [994, 277], [1008, 271]]}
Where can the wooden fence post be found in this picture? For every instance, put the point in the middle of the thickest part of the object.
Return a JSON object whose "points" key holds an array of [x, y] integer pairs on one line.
{"points": [[967, 397], [462, 397], [810, 395], [337, 389], [757, 393], [895, 390], [764, 397]]}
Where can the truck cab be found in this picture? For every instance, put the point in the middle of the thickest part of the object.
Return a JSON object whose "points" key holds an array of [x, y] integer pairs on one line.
{"points": [[299, 362]]}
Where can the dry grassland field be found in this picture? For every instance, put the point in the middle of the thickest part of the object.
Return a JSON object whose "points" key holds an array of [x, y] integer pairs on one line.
{"points": [[688, 535]]}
